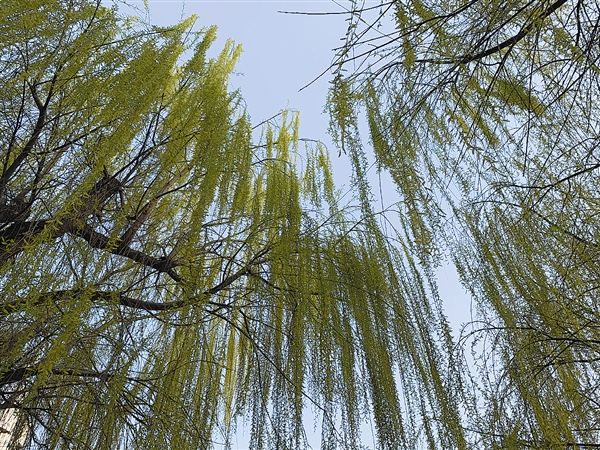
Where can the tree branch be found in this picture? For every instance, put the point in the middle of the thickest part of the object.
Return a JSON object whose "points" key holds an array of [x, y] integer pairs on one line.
{"points": [[122, 299], [22, 373], [39, 126], [504, 44], [517, 37], [14, 238], [116, 247]]}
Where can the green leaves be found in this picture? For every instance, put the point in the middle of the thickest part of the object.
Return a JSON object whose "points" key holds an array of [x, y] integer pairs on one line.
{"points": [[484, 114], [164, 277]]}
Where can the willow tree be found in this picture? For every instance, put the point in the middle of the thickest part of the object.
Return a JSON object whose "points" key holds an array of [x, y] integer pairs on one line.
{"points": [[164, 277], [486, 114]]}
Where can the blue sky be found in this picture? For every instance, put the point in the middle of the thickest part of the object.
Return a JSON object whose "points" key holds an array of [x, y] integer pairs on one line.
{"points": [[282, 52]]}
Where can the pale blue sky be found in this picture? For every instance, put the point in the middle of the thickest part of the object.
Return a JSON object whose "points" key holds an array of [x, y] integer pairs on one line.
{"points": [[282, 52]]}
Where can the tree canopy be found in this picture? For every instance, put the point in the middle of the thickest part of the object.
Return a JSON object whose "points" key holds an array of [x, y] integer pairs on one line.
{"points": [[486, 115], [164, 276]]}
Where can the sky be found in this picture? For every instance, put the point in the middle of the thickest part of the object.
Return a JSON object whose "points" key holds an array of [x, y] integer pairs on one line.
{"points": [[283, 53]]}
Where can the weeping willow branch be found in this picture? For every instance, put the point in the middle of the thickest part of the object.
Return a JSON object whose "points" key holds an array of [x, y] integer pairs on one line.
{"points": [[510, 42]]}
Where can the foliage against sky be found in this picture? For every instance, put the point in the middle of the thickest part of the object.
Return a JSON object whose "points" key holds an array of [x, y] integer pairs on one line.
{"points": [[164, 276], [486, 115]]}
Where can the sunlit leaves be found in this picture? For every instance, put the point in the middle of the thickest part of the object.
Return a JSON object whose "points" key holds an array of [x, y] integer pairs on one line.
{"points": [[166, 278], [488, 111]]}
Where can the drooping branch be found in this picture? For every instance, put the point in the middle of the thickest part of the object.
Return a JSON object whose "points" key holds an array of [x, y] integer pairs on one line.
{"points": [[510, 42], [37, 130]]}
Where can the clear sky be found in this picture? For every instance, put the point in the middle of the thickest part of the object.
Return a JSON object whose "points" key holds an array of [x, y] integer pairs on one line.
{"points": [[282, 52]]}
